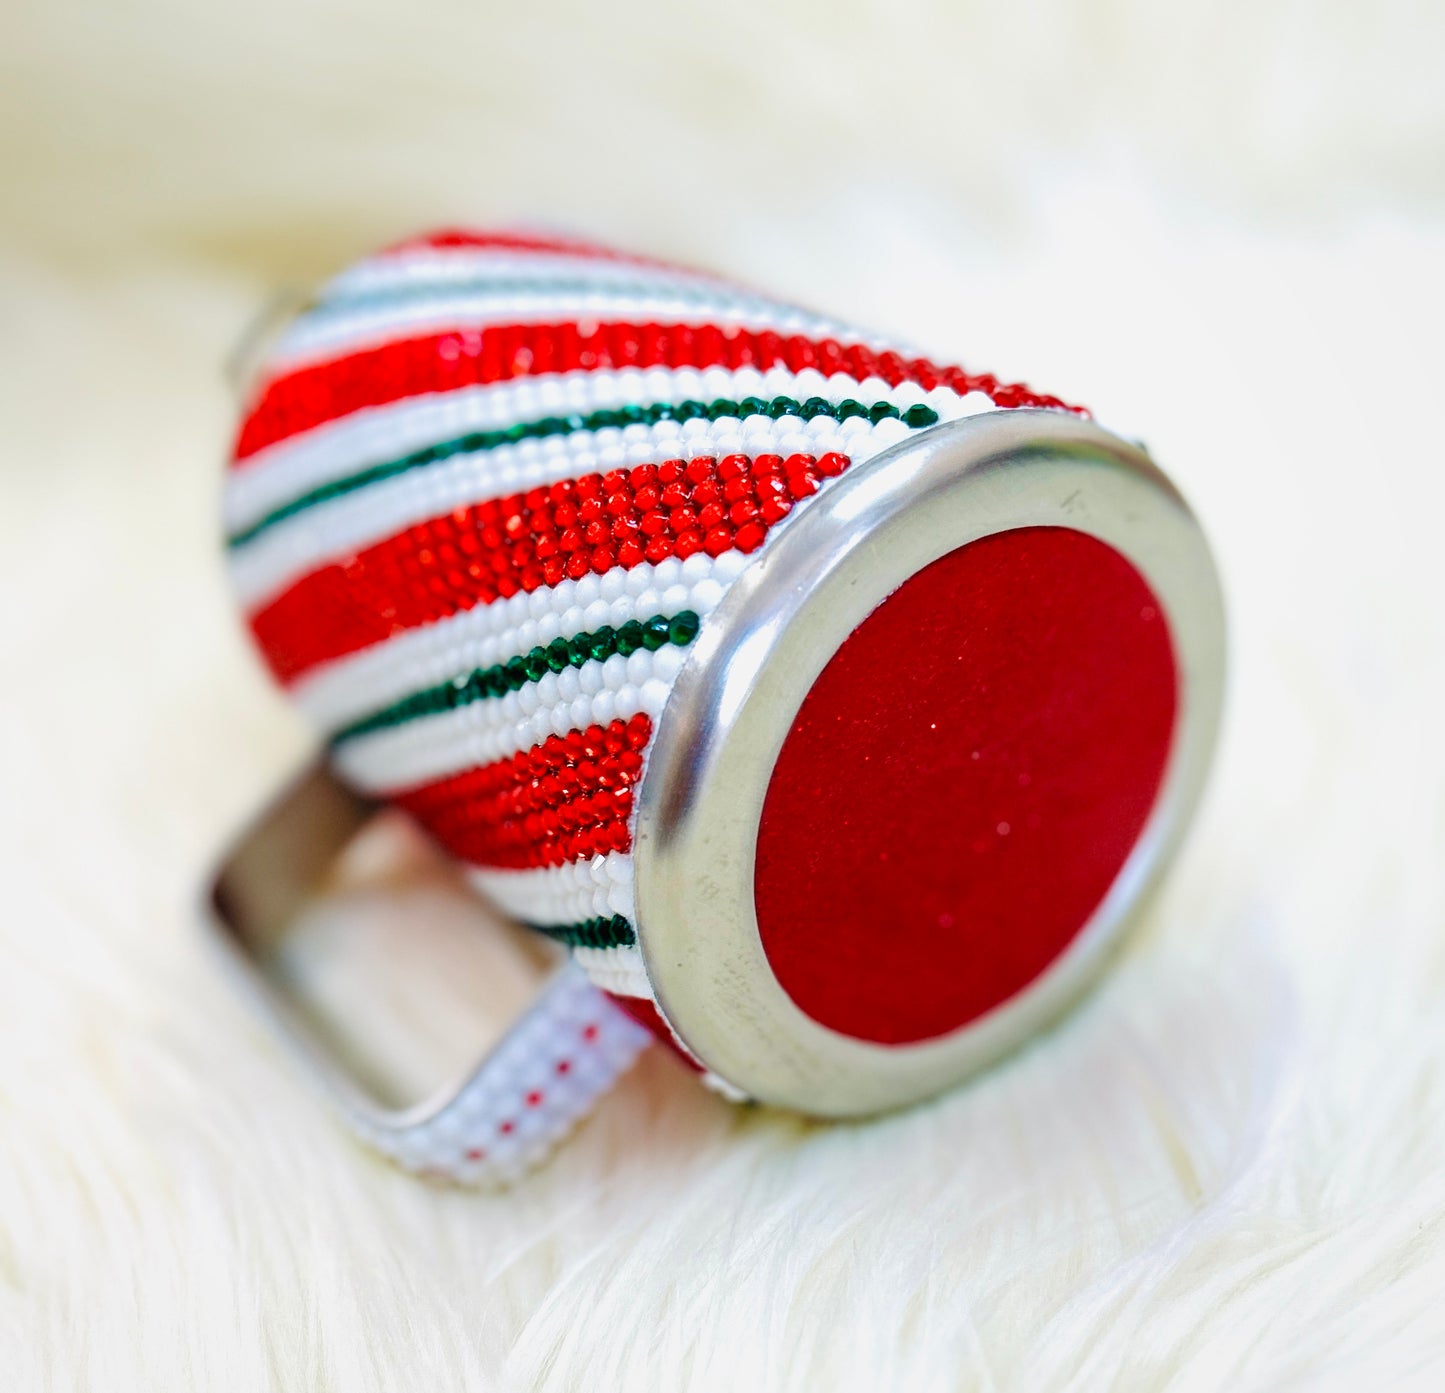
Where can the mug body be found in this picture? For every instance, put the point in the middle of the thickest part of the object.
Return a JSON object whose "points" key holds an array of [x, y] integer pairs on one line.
{"points": [[834, 706]]}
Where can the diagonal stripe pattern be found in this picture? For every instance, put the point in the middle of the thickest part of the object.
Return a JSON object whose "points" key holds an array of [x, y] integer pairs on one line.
{"points": [[525, 542]]}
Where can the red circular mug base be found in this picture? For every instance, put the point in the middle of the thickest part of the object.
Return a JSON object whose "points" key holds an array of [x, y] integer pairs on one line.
{"points": [[963, 783]]}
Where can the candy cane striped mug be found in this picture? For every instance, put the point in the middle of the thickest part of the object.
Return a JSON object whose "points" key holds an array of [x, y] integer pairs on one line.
{"points": [[835, 707]]}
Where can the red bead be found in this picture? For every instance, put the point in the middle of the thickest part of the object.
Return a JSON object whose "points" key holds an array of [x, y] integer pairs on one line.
{"points": [[751, 536], [719, 540], [801, 354]]}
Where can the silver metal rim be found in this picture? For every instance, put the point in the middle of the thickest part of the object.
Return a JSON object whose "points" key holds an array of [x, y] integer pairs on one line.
{"points": [[755, 659]]}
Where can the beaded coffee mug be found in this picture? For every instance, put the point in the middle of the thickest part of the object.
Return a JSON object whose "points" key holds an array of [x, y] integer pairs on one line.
{"points": [[834, 707]]}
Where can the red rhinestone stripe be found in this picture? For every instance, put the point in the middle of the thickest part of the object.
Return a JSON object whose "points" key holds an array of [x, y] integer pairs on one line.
{"points": [[460, 238], [310, 396], [567, 799], [526, 541]]}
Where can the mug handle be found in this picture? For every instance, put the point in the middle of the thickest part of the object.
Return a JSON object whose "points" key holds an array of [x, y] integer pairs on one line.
{"points": [[523, 1096]]}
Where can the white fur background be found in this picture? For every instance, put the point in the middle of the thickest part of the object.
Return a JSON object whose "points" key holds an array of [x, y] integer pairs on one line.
{"points": [[1223, 225]]}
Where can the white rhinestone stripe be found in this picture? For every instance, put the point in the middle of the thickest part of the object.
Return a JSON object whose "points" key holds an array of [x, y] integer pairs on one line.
{"points": [[567, 894], [616, 970], [544, 1076], [359, 684], [442, 267], [266, 567], [337, 330], [429, 748], [338, 449]]}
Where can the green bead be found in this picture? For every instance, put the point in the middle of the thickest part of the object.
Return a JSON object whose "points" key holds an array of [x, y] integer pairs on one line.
{"points": [[721, 409], [654, 633], [881, 411], [752, 406], [559, 655], [602, 644], [781, 406], [632, 415], [629, 638], [920, 415], [815, 407], [535, 664], [689, 411], [577, 653], [516, 671], [575, 422], [604, 420], [683, 628]]}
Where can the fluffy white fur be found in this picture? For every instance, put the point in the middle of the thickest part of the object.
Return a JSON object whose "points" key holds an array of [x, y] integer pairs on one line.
{"points": [[1222, 225]]}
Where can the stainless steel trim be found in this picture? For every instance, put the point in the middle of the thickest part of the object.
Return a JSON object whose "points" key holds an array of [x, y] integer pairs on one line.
{"points": [[755, 659]]}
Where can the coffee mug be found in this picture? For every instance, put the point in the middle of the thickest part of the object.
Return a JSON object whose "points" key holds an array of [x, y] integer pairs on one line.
{"points": [[834, 707]]}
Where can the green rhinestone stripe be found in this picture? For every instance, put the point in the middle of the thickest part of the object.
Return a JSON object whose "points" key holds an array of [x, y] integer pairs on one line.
{"points": [[605, 931], [496, 681], [914, 417]]}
